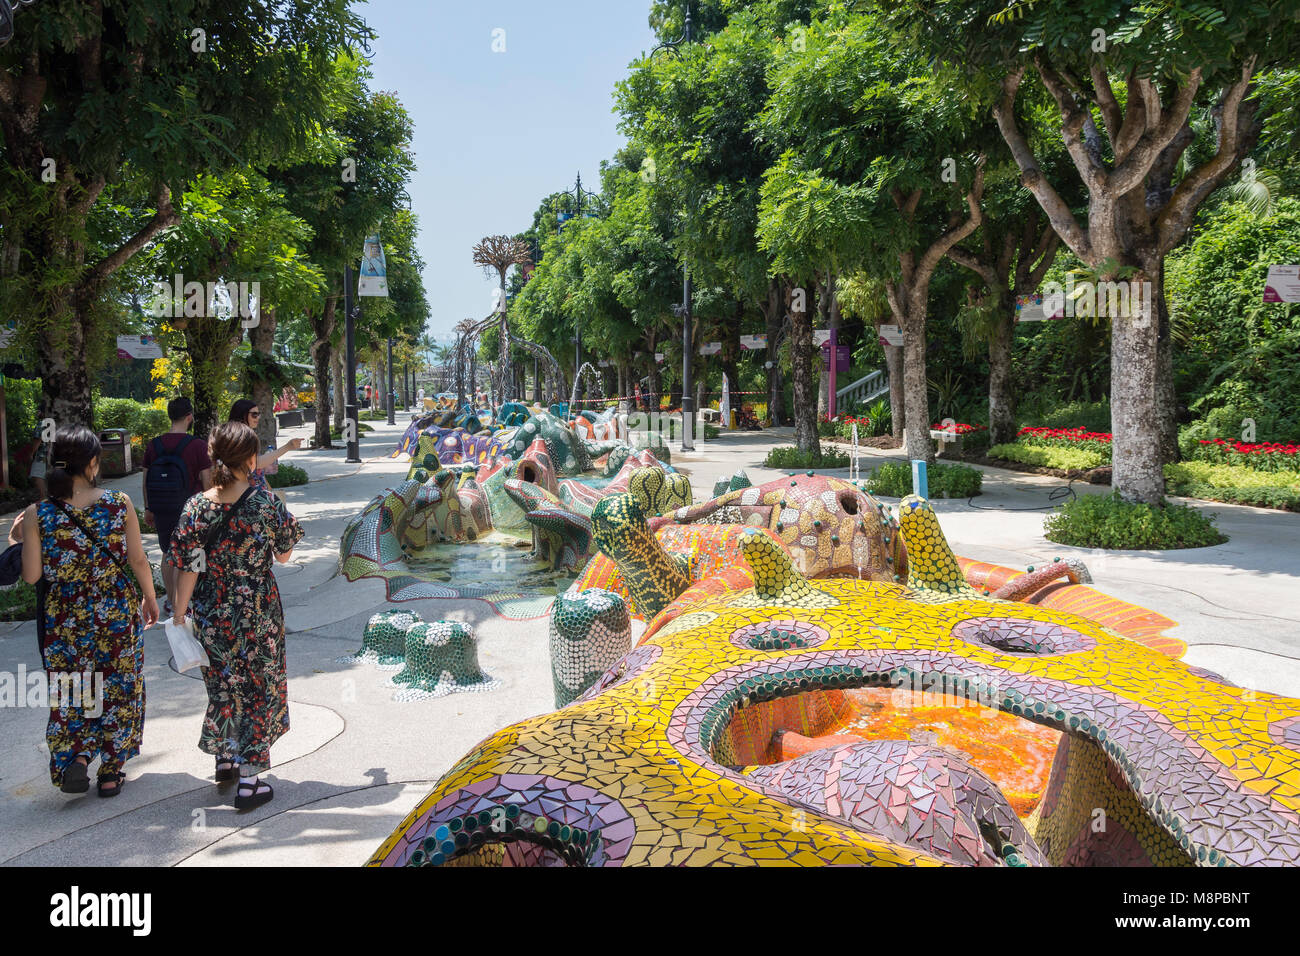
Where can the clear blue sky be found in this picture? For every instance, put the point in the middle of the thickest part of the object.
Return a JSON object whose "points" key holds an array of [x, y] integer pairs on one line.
{"points": [[497, 132]]}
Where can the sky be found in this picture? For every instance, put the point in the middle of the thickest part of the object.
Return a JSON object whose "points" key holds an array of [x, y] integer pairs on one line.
{"points": [[496, 132]]}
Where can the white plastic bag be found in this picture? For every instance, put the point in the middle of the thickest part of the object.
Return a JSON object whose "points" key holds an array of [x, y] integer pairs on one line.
{"points": [[186, 650]]}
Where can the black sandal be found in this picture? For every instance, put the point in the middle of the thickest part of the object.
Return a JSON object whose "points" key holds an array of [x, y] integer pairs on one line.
{"points": [[119, 778], [76, 779], [252, 795], [228, 774]]}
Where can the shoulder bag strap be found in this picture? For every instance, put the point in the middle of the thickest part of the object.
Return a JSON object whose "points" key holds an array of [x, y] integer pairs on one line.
{"points": [[95, 540]]}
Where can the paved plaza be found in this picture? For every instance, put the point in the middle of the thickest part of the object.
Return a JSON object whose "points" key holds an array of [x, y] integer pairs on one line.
{"points": [[355, 762]]}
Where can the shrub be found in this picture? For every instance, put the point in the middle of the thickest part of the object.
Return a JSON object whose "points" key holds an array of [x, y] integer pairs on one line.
{"points": [[286, 476], [18, 603], [1234, 483], [894, 480], [788, 456], [138, 418], [1066, 459], [1108, 521], [1258, 456], [1090, 416]]}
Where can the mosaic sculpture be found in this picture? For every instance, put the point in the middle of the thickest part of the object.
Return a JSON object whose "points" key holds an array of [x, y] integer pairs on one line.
{"points": [[590, 633], [668, 759], [434, 658]]}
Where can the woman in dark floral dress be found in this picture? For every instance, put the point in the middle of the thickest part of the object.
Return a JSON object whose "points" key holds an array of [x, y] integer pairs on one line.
{"points": [[237, 613], [81, 541]]}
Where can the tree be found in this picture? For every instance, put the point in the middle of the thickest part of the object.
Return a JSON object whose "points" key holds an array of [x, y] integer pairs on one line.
{"points": [[500, 253], [1129, 80], [145, 92]]}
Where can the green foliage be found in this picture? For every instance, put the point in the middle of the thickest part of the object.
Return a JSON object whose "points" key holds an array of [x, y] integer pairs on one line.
{"points": [[894, 480], [1066, 459], [1234, 483], [22, 405], [286, 476], [1090, 416], [139, 419], [788, 456], [18, 603], [1107, 521]]}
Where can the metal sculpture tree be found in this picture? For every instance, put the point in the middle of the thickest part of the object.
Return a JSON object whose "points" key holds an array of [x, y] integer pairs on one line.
{"points": [[500, 253]]}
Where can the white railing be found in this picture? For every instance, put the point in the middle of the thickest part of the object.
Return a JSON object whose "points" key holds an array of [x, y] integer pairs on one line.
{"points": [[864, 389]]}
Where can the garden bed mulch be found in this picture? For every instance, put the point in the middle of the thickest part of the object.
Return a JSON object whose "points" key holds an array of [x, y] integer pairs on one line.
{"points": [[884, 442], [1094, 476]]}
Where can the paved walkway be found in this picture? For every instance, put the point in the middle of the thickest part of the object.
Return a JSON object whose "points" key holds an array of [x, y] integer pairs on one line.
{"points": [[355, 762]]}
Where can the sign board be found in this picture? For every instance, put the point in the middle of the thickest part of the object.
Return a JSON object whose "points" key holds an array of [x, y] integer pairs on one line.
{"points": [[1033, 308], [751, 343], [374, 269], [604, 363], [843, 357], [138, 347], [7, 333], [821, 336], [710, 348], [891, 335], [1283, 284], [659, 358]]}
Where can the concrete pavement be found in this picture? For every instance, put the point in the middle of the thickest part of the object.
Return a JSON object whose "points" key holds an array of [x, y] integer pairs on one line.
{"points": [[355, 762]]}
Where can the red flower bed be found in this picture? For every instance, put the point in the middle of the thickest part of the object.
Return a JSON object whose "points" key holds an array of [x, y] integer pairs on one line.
{"points": [[1066, 438], [1262, 456], [957, 428]]}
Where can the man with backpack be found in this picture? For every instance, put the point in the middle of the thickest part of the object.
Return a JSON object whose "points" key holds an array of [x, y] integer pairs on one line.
{"points": [[176, 467]]}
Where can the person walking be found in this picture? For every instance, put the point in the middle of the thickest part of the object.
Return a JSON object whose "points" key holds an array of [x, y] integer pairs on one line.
{"points": [[176, 467], [222, 549], [247, 412], [77, 546]]}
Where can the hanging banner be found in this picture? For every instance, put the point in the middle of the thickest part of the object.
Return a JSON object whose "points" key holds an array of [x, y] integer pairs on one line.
{"points": [[821, 336], [604, 363], [1035, 308], [724, 406], [1283, 284], [374, 269], [752, 343], [891, 335], [710, 348], [659, 358], [138, 347]]}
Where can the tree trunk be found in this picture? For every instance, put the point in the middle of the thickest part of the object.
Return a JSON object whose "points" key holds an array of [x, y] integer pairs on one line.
{"points": [[1135, 409], [773, 314], [261, 337], [916, 395], [897, 407], [1166, 397], [1002, 399], [805, 395], [210, 343], [336, 368], [322, 330]]}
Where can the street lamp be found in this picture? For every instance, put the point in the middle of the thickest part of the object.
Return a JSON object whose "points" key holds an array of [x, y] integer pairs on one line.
{"points": [[579, 197], [685, 310]]}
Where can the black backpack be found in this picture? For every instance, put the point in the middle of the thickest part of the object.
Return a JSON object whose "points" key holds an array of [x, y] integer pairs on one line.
{"points": [[168, 480]]}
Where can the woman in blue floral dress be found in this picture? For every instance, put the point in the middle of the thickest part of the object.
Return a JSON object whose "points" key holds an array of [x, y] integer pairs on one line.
{"points": [[223, 548], [81, 541]]}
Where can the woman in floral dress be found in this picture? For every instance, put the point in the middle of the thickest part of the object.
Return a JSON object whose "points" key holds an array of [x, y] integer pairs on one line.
{"points": [[81, 541], [223, 548]]}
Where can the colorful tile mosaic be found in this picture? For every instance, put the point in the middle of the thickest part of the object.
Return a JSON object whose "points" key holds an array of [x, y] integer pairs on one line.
{"points": [[682, 742]]}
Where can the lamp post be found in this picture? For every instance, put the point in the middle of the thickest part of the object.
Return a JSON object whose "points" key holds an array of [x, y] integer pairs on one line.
{"points": [[685, 310], [392, 401], [579, 196], [351, 416]]}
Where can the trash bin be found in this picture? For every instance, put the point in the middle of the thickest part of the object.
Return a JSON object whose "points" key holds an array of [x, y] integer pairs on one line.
{"points": [[115, 455]]}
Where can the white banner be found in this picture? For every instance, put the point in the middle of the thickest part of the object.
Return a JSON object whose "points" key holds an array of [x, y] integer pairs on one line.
{"points": [[374, 269], [659, 358], [752, 343], [891, 335], [710, 348], [138, 347], [821, 336], [1283, 284], [724, 406]]}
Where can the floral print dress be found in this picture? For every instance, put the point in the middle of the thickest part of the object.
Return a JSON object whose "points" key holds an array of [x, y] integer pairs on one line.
{"points": [[94, 635], [239, 621]]}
